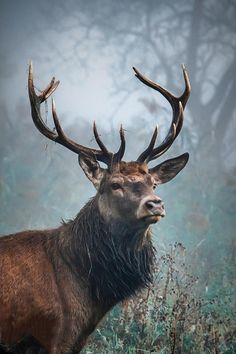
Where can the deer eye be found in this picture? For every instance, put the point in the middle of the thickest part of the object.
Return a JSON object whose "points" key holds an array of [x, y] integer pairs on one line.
{"points": [[154, 186], [115, 186]]}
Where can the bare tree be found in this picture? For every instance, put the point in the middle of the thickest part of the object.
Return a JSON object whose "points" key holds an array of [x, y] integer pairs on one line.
{"points": [[158, 37]]}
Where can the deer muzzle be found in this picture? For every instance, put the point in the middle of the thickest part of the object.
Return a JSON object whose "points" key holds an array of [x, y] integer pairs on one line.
{"points": [[151, 209]]}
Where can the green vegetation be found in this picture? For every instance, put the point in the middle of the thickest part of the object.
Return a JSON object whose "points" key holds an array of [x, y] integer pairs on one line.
{"points": [[174, 315]]}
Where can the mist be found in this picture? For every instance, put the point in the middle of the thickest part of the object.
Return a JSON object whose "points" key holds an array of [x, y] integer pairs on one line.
{"points": [[91, 47]]}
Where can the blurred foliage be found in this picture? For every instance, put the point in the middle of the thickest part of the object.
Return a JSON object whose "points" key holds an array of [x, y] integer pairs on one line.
{"points": [[172, 316]]}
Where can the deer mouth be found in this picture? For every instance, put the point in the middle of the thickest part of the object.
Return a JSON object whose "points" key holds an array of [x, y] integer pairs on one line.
{"points": [[153, 218]]}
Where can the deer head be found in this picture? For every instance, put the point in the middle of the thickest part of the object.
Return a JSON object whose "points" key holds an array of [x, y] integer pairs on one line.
{"points": [[125, 190]]}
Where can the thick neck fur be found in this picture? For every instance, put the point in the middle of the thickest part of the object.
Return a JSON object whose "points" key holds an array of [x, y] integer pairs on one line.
{"points": [[115, 259]]}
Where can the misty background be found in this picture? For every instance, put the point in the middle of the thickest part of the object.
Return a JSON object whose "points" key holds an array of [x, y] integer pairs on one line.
{"points": [[91, 47]]}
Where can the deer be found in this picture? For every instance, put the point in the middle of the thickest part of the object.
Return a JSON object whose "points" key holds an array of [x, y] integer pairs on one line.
{"points": [[57, 284]]}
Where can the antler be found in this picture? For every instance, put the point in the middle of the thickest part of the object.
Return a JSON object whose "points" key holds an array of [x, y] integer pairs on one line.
{"points": [[178, 104], [59, 136]]}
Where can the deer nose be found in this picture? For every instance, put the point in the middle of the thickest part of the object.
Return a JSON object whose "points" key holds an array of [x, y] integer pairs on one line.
{"points": [[156, 206]]}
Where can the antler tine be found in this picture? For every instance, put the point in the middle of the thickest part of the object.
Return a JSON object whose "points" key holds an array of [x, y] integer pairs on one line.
{"points": [[185, 96], [36, 100], [47, 91], [113, 158], [167, 94], [58, 136], [107, 156], [170, 138], [120, 153], [177, 104], [98, 140], [150, 147]]}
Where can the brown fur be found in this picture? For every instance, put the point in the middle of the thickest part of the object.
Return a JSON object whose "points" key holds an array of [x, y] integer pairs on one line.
{"points": [[57, 284], [40, 295]]}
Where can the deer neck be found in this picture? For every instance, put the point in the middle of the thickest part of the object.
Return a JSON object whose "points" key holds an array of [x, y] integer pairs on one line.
{"points": [[115, 259]]}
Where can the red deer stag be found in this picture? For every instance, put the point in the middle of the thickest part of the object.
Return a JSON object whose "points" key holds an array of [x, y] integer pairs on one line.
{"points": [[57, 284]]}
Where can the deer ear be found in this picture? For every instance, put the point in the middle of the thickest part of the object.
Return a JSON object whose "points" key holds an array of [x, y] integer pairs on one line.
{"points": [[168, 169], [92, 169]]}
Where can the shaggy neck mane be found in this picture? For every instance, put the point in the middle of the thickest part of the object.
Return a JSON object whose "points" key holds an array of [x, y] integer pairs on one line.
{"points": [[115, 260]]}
